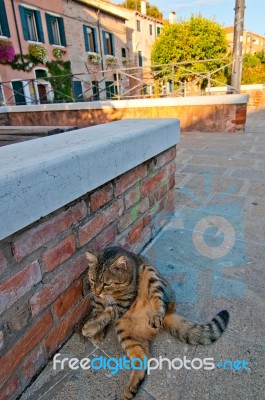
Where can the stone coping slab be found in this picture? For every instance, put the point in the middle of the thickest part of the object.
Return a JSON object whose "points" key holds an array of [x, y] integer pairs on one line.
{"points": [[40, 176], [136, 103]]}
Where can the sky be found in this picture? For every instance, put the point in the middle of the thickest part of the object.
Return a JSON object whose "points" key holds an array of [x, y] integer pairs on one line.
{"points": [[222, 10]]}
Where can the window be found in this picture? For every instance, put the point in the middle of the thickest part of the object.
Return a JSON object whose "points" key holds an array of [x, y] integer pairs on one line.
{"points": [[4, 28], [158, 30], [31, 24], [41, 74], [138, 25], [111, 90], [56, 33], [18, 93], [90, 38], [95, 91], [2, 98], [140, 59], [77, 91], [108, 42], [151, 29], [123, 52]]}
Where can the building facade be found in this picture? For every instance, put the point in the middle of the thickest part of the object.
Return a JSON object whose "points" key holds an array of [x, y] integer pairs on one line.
{"points": [[252, 42], [33, 27], [96, 37]]}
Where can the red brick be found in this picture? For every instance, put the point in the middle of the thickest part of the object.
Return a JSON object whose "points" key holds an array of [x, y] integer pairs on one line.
{"points": [[15, 287], [34, 363], [59, 253], [96, 225], [2, 341], [170, 169], [151, 183], [11, 389], [32, 239], [20, 319], [171, 182], [68, 299], [165, 157], [32, 337], [129, 179], [131, 216], [158, 194], [101, 197], [141, 241], [132, 197], [3, 262], [107, 238], [135, 231], [51, 290], [60, 334]]}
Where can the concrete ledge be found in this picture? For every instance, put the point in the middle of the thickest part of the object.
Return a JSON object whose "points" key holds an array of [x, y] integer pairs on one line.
{"points": [[137, 103], [40, 176]]}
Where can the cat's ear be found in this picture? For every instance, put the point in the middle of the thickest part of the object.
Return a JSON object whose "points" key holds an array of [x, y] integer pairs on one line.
{"points": [[91, 259], [120, 265]]}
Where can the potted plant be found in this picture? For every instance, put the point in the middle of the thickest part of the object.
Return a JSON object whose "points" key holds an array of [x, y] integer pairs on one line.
{"points": [[125, 62], [58, 53], [94, 58], [38, 53], [111, 60], [7, 52]]}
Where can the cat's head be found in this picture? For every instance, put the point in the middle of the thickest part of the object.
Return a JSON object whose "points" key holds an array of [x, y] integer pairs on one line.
{"points": [[110, 272]]}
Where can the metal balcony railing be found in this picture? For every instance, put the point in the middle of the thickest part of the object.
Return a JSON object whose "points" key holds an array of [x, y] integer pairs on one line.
{"points": [[169, 80]]}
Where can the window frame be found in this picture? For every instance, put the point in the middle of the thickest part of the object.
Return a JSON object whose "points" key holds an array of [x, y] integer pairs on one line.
{"points": [[138, 25], [150, 29], [90, 39], [4, 26], [50, 20], [108, 43]]}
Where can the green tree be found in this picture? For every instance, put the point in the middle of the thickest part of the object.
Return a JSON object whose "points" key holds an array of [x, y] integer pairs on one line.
{"points": [[192, 40], [253, 68], [151, 10]]}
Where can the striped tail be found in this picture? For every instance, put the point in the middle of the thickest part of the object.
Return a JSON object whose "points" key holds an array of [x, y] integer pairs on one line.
{"points": [[195, 333]]}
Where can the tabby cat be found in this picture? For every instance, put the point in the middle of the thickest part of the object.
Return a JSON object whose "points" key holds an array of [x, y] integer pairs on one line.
{"points": [[128, 290]]}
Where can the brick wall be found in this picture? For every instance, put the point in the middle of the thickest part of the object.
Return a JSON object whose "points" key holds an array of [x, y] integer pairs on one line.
{"points": [[43, 284], [211, 118]]}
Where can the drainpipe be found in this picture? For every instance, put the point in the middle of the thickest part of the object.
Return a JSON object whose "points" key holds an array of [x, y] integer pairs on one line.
{"points": [[16, 25], [100, 43]]}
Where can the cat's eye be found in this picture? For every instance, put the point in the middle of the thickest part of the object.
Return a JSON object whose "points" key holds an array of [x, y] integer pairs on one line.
{"points": [[92, 280], [107, 284]]}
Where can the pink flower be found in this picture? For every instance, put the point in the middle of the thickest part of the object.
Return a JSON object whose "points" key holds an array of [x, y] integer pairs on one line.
{"points": [[7, 52]]}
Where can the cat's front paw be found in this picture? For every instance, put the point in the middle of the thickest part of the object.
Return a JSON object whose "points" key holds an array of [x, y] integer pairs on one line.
{"points": [[156, 320], [90, 329], [96, 340]]}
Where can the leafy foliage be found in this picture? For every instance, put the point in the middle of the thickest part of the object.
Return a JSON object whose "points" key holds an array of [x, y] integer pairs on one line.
{"points": [[191, 40], [60, 80], [151, 10], [253, 68]]}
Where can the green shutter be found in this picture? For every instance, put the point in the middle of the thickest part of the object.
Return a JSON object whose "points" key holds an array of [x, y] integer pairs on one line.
{"points": [[62, 31], [86, 38], [112, 44], [77, 90], [104, 42], [49, 28], [39, 26], [3, 19], [24, 22], [94, 33]]}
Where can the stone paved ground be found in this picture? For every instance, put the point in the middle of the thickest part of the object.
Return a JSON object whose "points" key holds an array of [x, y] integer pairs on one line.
{"points": [[217, 174]]}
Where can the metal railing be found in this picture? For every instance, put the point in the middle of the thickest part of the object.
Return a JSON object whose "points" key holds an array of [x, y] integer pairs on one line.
{"points": [[167, 80]]}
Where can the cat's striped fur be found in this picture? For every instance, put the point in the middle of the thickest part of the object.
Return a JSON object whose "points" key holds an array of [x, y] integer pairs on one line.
{"points": [[128, 290]]}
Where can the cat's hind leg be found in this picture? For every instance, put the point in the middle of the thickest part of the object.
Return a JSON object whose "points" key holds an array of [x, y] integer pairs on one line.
{"points": [[136, 349]]}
